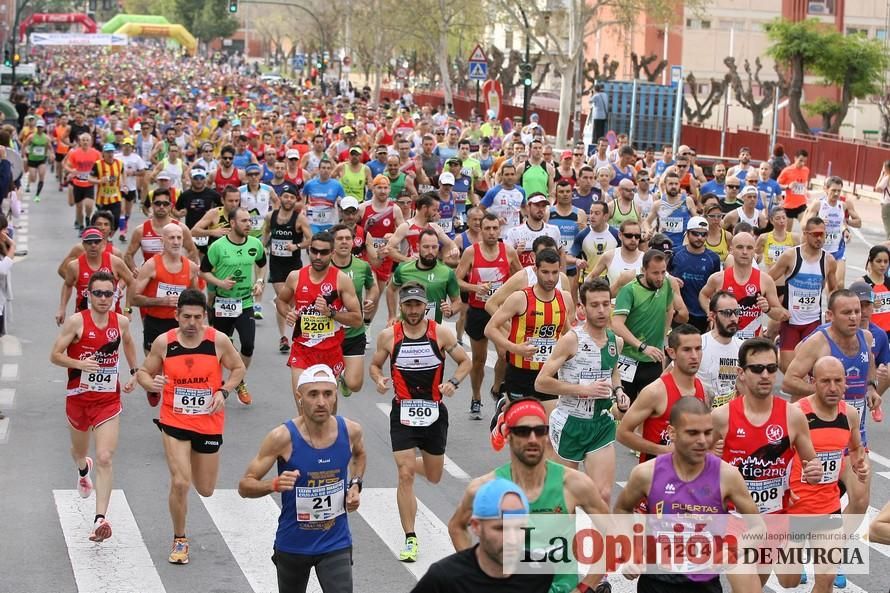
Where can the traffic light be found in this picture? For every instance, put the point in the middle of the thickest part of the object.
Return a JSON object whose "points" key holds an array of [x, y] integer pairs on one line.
{"points": [[7, 60], [16, 59], [233, 6], [525, 74]]}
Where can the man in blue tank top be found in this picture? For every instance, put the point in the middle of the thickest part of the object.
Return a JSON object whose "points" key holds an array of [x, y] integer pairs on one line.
{"points": [[321, 459]]}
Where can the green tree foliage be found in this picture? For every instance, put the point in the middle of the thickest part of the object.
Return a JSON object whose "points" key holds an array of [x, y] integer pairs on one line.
{"points": [[206, 19]]}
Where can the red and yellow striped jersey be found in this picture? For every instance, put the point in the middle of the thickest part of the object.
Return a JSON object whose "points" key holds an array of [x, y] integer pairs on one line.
{"points": [[108, 192], [541, 324]]}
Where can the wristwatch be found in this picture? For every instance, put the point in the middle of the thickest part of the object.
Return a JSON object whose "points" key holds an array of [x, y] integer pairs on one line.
{"points": [[874, 384], [454, 382], [225, 392], [356, 481], [127, 309], [642, 346]]}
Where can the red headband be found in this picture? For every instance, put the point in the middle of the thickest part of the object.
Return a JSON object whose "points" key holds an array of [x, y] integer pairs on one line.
{"points": [[522, 409]]}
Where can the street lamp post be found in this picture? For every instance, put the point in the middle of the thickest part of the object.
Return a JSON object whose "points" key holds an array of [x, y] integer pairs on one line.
{"points": [[19, 7], [526, 89]]}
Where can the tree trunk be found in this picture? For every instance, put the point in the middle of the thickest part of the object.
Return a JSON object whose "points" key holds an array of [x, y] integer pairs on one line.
{"points": [[795, 96], [566, 95], [843, 108], [378, 78], [444, 67]]}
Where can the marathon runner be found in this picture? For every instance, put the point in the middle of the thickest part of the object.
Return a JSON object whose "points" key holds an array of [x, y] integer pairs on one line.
{"points": [[438, 280], [285, 233], [582, 426], [147, 236], [227, 174], [408, 233], [484, 267], [720, 350], [353, 175], [551, 488], [323, 195], [36, 149], [107, 175], [104, 221], [693, 265], [186, 366], [688, 479], [805, 271], [319, 301], [77, 164], [367, 293], [837, 215], [229, 266], [215, 222], [671, 213], [521, 237], [506, 200], [195, 202], [88, 347], [316, 492], [416, 347], [96, 257], [134, 172], [524, 278]]}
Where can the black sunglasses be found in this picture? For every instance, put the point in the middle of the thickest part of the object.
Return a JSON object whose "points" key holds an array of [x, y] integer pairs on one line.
{"points": [[102, 293], [732, 186], [156, 203], [636, 236], [315, 251], [698, 233], [540, 430], [758, 369], [730, 312]]}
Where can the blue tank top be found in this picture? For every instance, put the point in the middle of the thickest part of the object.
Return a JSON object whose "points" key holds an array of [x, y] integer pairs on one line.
{"points": [[460, 193], [447, 211], [486, 163], [568, 228], [620, 175], [268, 175], [313, 515], [672, 220], [856, 370], [240, 161]]}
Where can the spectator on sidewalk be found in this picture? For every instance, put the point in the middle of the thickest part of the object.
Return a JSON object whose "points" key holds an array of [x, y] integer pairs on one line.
{"points": [[883, 186]]}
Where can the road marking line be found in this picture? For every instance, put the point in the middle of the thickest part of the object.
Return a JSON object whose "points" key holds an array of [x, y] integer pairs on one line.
{"points": [[862, 532], [11, 346], [880, 459], [861, 237], [121, 564], [452, 468], [9, 371], [377, 509], [7, 398], [4, 430], [884, 474], [251, 548], [492, 355]]}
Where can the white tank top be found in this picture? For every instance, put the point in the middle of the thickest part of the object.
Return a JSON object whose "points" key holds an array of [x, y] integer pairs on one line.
{"points": [[619, 264], [834, 224], [175, 171], [803, 297], [754, 221]]}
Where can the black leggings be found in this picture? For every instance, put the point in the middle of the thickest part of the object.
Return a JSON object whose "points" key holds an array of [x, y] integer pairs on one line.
{"points": [[246, 326], [334, 571]]}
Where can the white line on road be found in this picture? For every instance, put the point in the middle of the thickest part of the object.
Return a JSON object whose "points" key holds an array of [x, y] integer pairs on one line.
{"points": [[452, 468], [377, 511], [9, 371], [7, 398], [121, 564], [861, 237], [879, 459], [11, 346], [491, 357], [252, 548], [4, 430]]}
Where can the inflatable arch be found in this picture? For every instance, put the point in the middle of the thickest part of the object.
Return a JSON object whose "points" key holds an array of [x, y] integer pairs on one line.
{"points": [[40, 18], [122, 19], [176, 32]]}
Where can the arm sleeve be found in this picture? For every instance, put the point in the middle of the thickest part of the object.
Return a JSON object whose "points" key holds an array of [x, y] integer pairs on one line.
{"points": [[452, 287], [397, 275], [488, 198], [208, 261], [261, 255], [624, 300]]}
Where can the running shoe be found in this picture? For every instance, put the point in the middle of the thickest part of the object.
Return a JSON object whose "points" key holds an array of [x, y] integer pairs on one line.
{"points": [[409, 552], [476, 409], [153, 397], [243, 394], [877, 415], [498, 440], [840, 580], [345, 391], [603, 587], [283, 345], [37, 198], [101, 530], [257, 311], [122, 238], [179, 553], [84, 483], [803, 577]]}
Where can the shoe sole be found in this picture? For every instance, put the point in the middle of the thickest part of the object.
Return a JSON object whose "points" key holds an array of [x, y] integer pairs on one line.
{"points": [[178, 561], [244, 403], [102, 533], [89, 471]]}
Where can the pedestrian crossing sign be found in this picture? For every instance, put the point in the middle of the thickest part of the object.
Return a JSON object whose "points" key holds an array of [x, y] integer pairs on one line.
{"points": [[478, 71]]}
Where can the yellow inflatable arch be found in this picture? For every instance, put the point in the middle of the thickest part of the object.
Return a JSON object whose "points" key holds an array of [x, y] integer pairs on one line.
{"points": [[176, 32]]}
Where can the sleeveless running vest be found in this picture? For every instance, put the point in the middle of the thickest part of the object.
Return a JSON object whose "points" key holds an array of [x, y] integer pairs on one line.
{"points": [[856, 368], [535, 179], [746, 294], [591, 363], [221, 181], [567, 225], [193, 376], [540, 325], [803, 296], [313, 329], [84, 271], [773, 248], [830, 439], [834, 225], [495, 272], [102, 343], [721, 248], [619, 265], [673, 218], [881, 314], [313, 517], [166, 283], [151, 242], [618, 216], [354, 182], [762, 453], [655, 428], [281, 235], [416, 364]]}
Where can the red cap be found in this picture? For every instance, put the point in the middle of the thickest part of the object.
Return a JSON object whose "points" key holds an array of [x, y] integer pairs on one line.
{"points": [[91, 234], [566, 154]]}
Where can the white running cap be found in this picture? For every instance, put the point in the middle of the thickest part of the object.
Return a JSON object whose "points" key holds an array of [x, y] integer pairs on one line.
{"points": [[317, 373]]}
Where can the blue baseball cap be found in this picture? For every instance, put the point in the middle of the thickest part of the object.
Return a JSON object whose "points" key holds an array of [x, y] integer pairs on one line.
{"points": [[109, 147], [252, 168], [488, 500]]}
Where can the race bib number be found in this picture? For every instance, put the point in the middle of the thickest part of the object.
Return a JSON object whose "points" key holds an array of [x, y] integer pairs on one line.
{"points": [[279, 248], [832, 463], [431, 309], [191, 402], [83, 176], [320, 503], [201, 241], [673, 225], [378, 242], [38, 151], [882, 302], [832, 240], [767, 494], [805, 303], [227, 307], [798, 188], [627, 367], [103, 380], [256, 222], [776, 250], [321, 215], [491, 290], [695, 544], [543, 348], [152, 245], [166, 290], [418, 412], [316, 327], [446, 224]]}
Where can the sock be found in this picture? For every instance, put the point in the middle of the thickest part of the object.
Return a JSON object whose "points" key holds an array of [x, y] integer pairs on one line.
{"points": [[121, 223], [178, 536], [98, 517], [410, 534], [39, 187], [83, 472]]}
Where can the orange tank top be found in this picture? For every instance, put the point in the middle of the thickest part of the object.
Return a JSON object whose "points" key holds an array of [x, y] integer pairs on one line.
{"points": [[166, 283], [193, 375]]}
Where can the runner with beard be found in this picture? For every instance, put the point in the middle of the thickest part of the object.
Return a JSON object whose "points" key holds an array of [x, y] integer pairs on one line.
{"points": [[551, 488], [720, 350], [760, 433], [215, 222], [416, 347], [670, 215], [437, 279], [651, 410]]}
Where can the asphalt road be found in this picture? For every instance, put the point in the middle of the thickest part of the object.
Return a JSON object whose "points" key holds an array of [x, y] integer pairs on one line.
{"points": [[43, 545]]}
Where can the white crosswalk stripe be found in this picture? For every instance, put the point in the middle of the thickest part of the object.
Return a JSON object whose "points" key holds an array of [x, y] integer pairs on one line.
{"points": [[121, 564]]}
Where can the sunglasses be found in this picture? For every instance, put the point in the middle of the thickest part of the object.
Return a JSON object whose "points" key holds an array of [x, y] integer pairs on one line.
{"points": [[165, 204], [524, 432], [730, 312], [105, 294], [816, 234], [315, 251], [758, 369], [578, 154], [225, 158], [699, 234], [254, 174], [92, 242], [728, 186], [636, 236]]}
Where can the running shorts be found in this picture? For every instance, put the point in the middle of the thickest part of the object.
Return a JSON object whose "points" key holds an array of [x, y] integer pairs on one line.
{"points": [[91, 410], [573, 437], [430, 439]]}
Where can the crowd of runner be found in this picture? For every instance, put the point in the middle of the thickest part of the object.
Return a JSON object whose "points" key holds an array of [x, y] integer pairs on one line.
{"points": [[627, 297]]}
